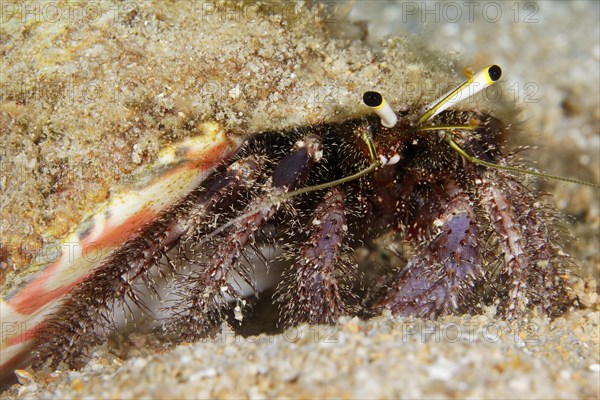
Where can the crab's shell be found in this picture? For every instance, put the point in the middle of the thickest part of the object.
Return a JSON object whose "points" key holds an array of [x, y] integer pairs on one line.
{"points": [[178, 170]]}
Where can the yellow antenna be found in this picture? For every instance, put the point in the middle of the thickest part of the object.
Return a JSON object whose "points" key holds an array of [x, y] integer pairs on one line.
{"points": [[475, 83], [475, 160]]}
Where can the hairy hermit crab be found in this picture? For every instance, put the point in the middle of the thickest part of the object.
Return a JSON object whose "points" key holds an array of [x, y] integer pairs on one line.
{"points": [[437, 178]]}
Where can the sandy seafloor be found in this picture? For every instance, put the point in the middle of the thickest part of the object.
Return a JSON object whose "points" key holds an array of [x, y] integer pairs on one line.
{"points": [[553, 58]]}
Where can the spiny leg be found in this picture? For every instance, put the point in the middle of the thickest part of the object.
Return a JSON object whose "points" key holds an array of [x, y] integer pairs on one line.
{"points": [[73, 329], [206, 293], [443, 276], [510, 233], [312, 289], [533, 264], [549, 266]]}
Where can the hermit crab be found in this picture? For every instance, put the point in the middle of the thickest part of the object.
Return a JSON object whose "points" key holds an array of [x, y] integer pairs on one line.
{"points": [[437, 178]]}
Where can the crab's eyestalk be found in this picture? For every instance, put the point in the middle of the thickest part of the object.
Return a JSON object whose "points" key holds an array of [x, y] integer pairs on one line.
{"points": [[381, 107], [475, 83]]}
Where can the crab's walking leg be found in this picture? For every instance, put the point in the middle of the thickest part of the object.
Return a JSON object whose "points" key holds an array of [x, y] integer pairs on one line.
{"points": [[512, 245], [442, 276], [533, 265], [311, 290], [550, 263], [199, 311], [88, 303], [180, 168]]}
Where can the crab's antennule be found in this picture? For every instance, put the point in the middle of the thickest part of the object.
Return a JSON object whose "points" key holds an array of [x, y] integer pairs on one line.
{"points": [[377, 103], [474, 84]]}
